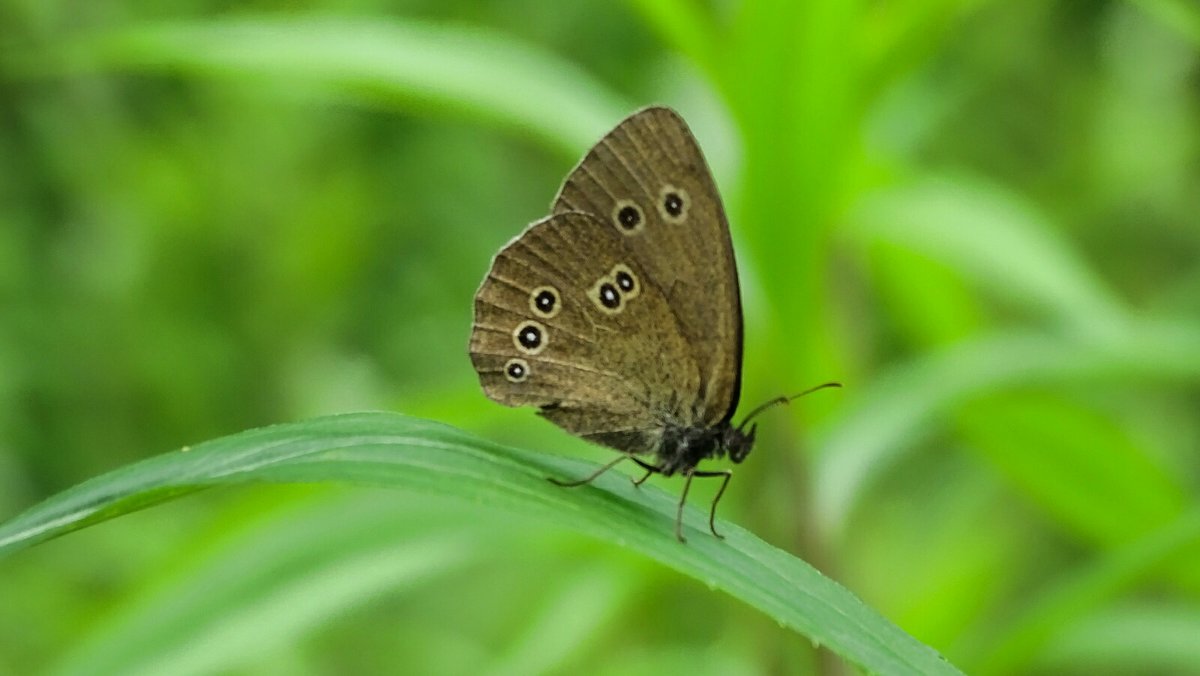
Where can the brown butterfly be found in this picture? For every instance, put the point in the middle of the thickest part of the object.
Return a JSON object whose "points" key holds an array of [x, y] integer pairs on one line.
{"points": [[619, 315]]}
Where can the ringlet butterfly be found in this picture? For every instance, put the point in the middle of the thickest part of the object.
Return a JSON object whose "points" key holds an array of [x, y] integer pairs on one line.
{"points": [[619, 315]]}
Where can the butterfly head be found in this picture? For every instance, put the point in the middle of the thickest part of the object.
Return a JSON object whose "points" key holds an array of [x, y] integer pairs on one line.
{"points": [[737, 442]]}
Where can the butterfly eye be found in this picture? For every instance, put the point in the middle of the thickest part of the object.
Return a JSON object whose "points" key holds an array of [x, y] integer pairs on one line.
{"points": [[516, 370], [628, 217], [544, 302], [627, 282], [530, 337], [673, 204]]}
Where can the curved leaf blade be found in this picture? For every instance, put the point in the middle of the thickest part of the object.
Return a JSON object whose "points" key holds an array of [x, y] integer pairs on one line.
{"points": [[420, 65], [396, 451], [900, 408]]}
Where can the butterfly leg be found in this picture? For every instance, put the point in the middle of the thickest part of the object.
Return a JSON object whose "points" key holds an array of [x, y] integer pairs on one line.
{"points": [[650, 469], [687, 484], [589, 478], [712, 512]]}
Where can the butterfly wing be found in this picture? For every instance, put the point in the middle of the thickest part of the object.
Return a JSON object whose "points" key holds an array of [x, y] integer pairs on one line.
{"points": [[647, 181], [569, 319]]}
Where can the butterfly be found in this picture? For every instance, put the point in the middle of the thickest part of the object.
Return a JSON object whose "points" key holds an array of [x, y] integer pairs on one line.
{"points": [[619, 315]]}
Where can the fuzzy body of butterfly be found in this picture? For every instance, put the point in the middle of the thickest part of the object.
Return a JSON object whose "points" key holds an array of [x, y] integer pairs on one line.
{"points": [[619, 315]]}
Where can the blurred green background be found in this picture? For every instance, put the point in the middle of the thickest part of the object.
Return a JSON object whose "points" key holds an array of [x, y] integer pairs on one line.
{"points": [[982, 217]]}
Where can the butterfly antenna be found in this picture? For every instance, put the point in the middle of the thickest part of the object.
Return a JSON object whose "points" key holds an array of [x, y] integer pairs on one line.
{"points": [[783, 400]]}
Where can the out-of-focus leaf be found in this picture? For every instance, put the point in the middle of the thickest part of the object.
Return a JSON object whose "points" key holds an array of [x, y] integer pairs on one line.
{"points": [[989, 237], [1079, 466], [899, 408], [685, 26], [1051, 613], [1150, 638], [587, 600], [1180, 15], [271, 582], [793, 94], [455, 68]]}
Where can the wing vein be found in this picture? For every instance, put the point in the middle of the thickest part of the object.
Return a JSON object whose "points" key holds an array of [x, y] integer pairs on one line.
{"points": [[541, 259], [607, 142], [583, 169]]}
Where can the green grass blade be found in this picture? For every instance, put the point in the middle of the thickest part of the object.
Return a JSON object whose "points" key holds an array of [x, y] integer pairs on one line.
{"points": [[992, 238], [396, 451], [572, 613], [685, 26], [1078, 464], [417, 65], [1086, 589], [1180, 15], [897, 410], [270, 583], [1143, 638]]}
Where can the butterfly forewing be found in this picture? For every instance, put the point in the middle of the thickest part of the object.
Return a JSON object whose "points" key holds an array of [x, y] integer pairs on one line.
{"points": [[647, 182]]}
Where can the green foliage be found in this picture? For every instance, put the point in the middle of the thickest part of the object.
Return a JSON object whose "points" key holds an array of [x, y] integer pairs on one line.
{"points": [[981, 217], [388, 450]]}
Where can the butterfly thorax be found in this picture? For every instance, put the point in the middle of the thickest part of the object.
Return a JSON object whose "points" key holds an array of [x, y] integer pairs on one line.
{"points": [[682, 447]]}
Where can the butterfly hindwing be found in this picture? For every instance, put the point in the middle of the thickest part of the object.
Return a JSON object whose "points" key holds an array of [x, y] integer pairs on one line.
{"points": [[568, 319]]}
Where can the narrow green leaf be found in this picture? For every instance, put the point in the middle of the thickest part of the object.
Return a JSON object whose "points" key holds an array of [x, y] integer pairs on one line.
{"points": [[1180, 15], [396, 451], [571, 614], [1150, 638], [268, 581], [686, 27], [792, 91], [1085, 589], [462, 69], [1078, 464], [898, 409], [990, 237]]}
